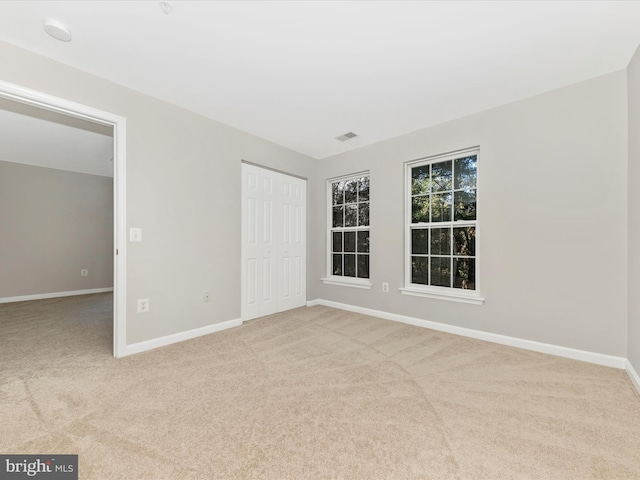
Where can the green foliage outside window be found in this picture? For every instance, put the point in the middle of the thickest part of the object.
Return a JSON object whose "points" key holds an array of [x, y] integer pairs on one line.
{"points": [[442, 228]]}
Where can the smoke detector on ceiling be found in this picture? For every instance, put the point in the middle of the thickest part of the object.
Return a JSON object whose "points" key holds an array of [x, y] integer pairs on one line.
{"points": [[346, 136], [166, 7], [57, 30]]}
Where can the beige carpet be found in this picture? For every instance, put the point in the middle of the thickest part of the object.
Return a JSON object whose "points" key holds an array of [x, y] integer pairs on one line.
{"points": [[315, 393]]}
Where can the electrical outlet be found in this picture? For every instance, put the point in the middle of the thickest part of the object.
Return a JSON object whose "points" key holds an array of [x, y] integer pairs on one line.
{"points": [[135, 234], [143, 305], [385, 287], [206, 297], [84, 272]]}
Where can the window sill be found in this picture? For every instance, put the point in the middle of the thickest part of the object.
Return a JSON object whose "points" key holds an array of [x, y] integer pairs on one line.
{"points": [[473, 298], [347, 282]]}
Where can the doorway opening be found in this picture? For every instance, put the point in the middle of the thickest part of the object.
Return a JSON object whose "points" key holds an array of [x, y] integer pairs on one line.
{"points": [[99, 118]]}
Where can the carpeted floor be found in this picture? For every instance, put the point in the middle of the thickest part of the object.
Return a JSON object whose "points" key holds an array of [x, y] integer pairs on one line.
{"points": [[314, 393]]}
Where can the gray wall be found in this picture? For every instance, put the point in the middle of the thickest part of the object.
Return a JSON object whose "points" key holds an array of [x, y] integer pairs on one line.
{"points": [[633, 83], [552, 212], [53, 224], [183, 190]]}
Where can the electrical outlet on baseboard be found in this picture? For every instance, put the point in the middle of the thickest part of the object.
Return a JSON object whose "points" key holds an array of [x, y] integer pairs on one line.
{"points": [[385, 287]]}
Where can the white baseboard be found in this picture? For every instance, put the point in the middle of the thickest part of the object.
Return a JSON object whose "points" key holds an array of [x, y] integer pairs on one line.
{"points": [[585, 356], [313, 303], [41, 296], [633, 375], [179, 337]]}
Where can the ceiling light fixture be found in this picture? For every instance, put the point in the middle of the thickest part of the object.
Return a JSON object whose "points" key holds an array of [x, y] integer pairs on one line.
{"points": [[166, 7], [57, 30]]}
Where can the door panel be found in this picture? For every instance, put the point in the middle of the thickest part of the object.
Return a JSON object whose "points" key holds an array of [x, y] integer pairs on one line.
{"points": [[269, 302], [273, 242], [267, 224], [286, 281], [251, 240], [293, 245], [252, 282], [252, 222], [298, 278]]}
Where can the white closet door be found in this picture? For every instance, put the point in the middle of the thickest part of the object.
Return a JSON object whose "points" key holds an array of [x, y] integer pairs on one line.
{"points": [[273, 242], [292, 259]]}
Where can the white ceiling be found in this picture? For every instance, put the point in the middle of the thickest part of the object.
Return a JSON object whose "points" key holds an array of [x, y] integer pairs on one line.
{"points": [[35, 136], [302, 73]]}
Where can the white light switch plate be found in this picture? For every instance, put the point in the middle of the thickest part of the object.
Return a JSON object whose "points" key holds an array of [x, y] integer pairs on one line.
{"points": [[135, 234]]}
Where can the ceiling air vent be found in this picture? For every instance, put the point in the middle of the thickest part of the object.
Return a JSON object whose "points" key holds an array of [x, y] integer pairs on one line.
{"points": [[346, 136]]}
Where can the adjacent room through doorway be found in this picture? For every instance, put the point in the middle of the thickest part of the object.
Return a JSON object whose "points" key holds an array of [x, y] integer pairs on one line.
{"points": [[57, 205]]}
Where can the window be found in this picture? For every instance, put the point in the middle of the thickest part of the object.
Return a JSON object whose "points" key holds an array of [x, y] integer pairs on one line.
{"points": [[442, 226], [348, 239]]}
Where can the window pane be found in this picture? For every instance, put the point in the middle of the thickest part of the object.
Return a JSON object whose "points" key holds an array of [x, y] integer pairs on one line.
{"points": [[363, 189], [466, 172], [350, 265], [465, 205], [441, 271], [363, 266], [363, 242], [419, 209], [351, 191], [441, 207], [337, 190], [351, 215], [420, 180], [440, 241], [442, 226], [464, 273], [349, 241], [338, 214], [420, 241], [337, 264], [441, 174], [420, 270], [464, 241], [337, 242], [363, 214]]}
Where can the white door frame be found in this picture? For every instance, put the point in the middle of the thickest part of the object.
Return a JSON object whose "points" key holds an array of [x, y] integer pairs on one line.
{"points": [[48, 102]]}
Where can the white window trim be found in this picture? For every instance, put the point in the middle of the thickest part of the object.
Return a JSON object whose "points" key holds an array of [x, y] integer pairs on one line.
{"points": [[347, 282], [434, 292], [430, 291], [339, 279]]}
